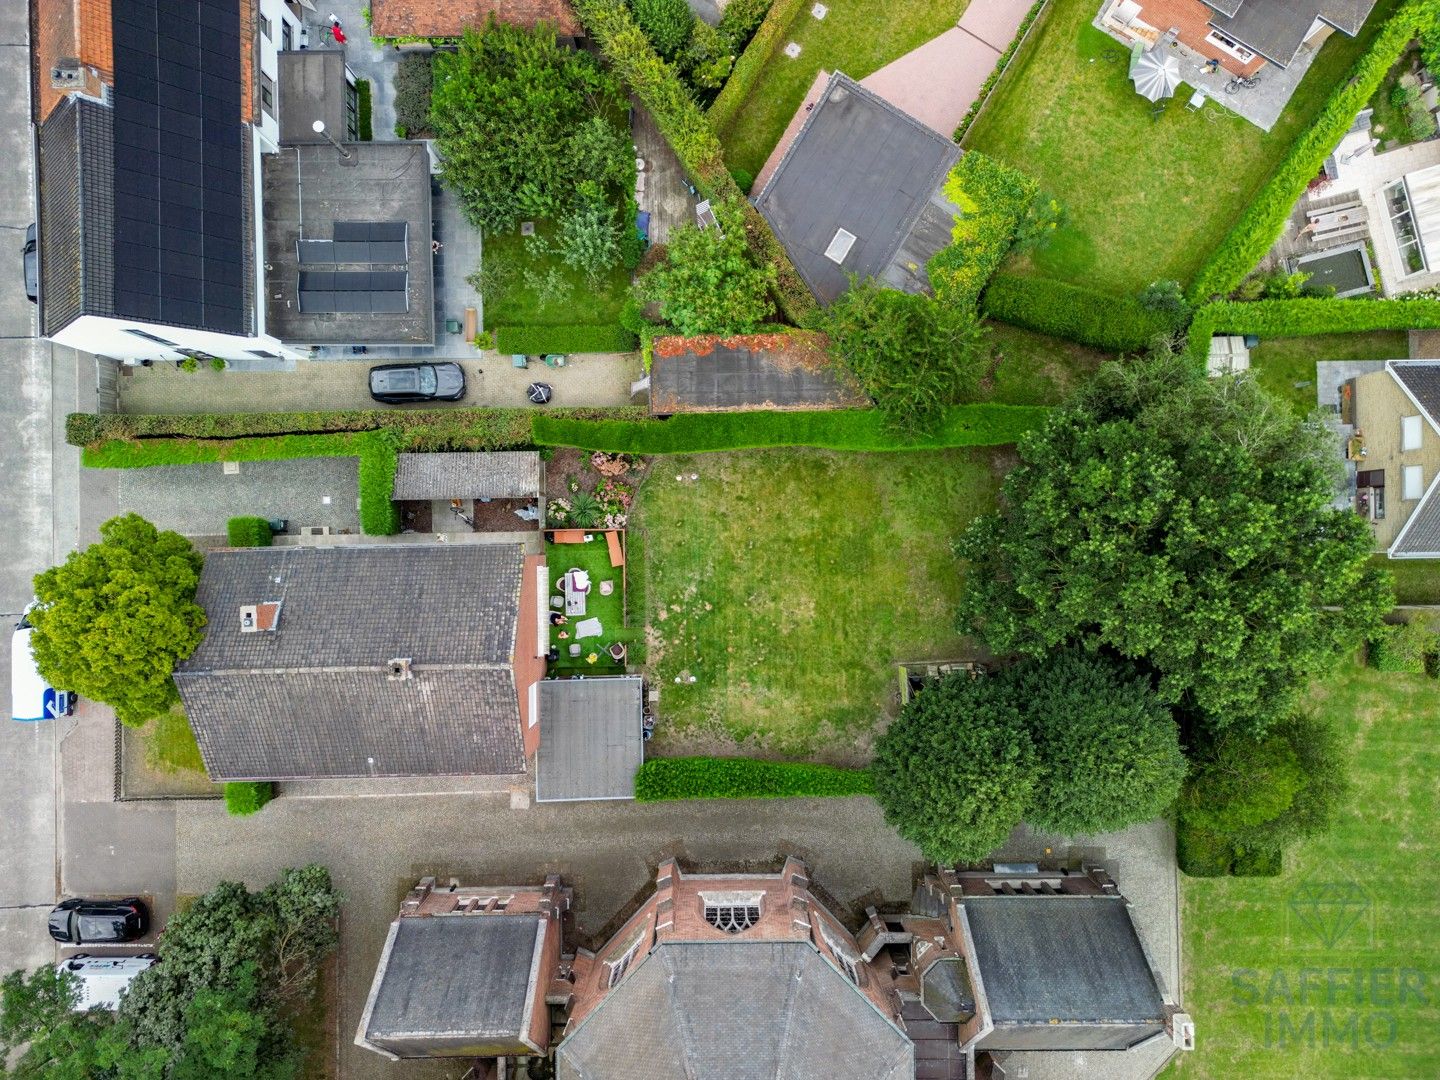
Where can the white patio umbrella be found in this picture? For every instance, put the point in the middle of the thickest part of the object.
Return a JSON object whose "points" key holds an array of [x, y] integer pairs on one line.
{"points": [[1156, 75]]}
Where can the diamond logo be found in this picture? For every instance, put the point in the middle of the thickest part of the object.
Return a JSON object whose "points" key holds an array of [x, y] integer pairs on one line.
{"points": [[1328, 910]]}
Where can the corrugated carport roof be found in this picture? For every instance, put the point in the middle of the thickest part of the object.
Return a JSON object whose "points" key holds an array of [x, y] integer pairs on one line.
{"points": [[506, 474], [590, 740]]}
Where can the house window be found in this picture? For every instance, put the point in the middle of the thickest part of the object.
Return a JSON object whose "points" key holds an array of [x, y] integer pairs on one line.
{"points": [[1410, 433], [621, 964], [1402, 221], [732, 918], [287, 37], [263, 354], [1414, 482], [267, 94], [152, 337], [847, 963], [1229, 45], [266, 30]]}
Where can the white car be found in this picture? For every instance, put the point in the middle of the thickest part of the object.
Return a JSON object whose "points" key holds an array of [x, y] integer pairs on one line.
{"points": [[103, 978]]}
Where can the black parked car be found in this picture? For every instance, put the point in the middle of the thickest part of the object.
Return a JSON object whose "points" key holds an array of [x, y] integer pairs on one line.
{"points": [[32, 265], [87, 922], [397, 384]]}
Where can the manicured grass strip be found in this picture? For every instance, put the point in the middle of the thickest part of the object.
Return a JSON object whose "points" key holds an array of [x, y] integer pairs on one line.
{"points": [[988, 86], [662, 779], [1263, 219], [1417, 581], [248, 532], [846, 429], [1306, 318]]}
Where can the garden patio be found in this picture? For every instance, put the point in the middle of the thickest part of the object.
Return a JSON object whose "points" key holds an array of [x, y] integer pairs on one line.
{"points": [[1147, 198], [782, 586]]}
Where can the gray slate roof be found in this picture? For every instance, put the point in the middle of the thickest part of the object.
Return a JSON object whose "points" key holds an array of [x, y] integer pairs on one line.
{"points": [[729, 377], [312, 698], [1421, 534], [736, 1010], [1067, 967], [1276, 28], [862, 165], [590, 740], [448, 983], [1422, 379], [507, 474]]}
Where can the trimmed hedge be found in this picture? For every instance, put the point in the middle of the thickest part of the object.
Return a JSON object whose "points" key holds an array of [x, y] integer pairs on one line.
{"points": [[1401, 647], [1202, 853], [1102, 321], [563, 339], [1264, 219], [246, 797], [746, 72], [1258, 862], [1000, 65], [661, 779], [1307, 316], [995, 201], [248, 532], [844, 429], [363, 107], [685, 127]]}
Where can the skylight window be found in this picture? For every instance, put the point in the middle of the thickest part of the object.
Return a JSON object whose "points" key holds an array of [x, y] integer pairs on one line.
{"points": [[840, 246]]}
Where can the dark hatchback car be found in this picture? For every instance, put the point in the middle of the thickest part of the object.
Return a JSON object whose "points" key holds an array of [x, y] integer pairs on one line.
{"points": [[32, 265], [399, 384], [89, 922]]}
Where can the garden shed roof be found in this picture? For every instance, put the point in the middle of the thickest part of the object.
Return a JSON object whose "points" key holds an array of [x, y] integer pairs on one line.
{"points": [[591, 744], [449, 18], [859, 192], [505, 474]]}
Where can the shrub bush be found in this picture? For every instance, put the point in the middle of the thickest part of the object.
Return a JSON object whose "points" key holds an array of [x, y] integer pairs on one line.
{"points": [[691, 136], [666, 23], [1000, 65], [246, 797], [414, 81], [1114, 323], [661, 779], [743, 77], [845, 429], [743, 180], [1257, 862], [563, 339], [1401, 647], [1202, 853], [363, 107], [1307, 316], [248, 532], [1263, 220]]}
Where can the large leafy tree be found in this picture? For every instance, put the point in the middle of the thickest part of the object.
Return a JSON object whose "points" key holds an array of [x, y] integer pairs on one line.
{"points": [[913, 355], [956, 770], [1108, 748], [708, 283], [1184, 522], [513, 114], [112, 621]]}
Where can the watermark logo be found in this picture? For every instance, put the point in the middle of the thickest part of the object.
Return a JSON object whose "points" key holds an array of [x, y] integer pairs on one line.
{"points": [[1330, 914]]}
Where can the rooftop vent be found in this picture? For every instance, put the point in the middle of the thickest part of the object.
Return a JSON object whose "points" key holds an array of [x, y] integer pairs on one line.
{"points": [[66, 73], [399, 669], [257, 617], [840, 246]]}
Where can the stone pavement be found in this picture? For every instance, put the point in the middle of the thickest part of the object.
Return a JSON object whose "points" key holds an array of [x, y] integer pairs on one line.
{"points": [[589, 379]]}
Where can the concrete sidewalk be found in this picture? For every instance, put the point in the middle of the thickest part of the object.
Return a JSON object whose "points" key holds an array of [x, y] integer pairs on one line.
{"points": [[587, 380]]}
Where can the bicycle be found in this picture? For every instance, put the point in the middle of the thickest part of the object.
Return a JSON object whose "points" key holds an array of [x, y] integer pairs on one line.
{"points": [[1241, 82]]}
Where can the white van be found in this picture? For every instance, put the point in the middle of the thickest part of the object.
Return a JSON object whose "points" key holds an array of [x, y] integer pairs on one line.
{"points": [[31, 697], [102, 978]]}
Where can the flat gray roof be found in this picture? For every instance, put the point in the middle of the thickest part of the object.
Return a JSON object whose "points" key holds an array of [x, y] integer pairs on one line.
{"points": [[313, 86], [861, 165], [590, 740], [311, 189], [456, 983], [756, 372]]}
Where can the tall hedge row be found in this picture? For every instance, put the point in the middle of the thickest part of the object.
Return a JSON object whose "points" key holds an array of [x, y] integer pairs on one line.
{"points": [[1306, 317], [746, 72], [1264, 219], [1102, 321], [661, 779], [846, 429], [690, 135]]}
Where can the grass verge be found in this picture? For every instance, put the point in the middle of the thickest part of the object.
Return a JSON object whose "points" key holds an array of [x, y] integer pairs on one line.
{"points": [[1286, 366]]}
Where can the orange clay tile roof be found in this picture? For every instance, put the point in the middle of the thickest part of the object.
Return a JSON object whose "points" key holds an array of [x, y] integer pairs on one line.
{"points": [[449, 18], [71, 28]]}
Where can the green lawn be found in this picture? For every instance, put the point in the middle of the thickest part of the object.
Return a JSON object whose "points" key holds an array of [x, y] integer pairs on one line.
{"points": [[1032, 369], [1286, 366], [789, 581], [1417, 581], [523, 288], [1147, 199], [1337, 946], [170, 744], [857, 37], [594, 558]]}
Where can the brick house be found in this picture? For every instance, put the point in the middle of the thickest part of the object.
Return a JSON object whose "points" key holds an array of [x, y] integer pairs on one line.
{"points": [[1394, 455], [751, 974], [1243, 35]]}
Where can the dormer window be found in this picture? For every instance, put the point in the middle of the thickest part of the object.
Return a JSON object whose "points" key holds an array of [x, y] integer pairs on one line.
{"points": [[732, 918]]}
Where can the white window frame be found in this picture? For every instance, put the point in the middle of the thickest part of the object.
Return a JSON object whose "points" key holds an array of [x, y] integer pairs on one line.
{"points": [[1412, 482], [1229, 46], [621, 964], [267, 31], [848, 964], [1411, 432]]}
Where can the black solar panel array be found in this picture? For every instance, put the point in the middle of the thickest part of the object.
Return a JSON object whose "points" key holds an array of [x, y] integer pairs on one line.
{"points": [[371, 242], [354, 291], [179, 164]]}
